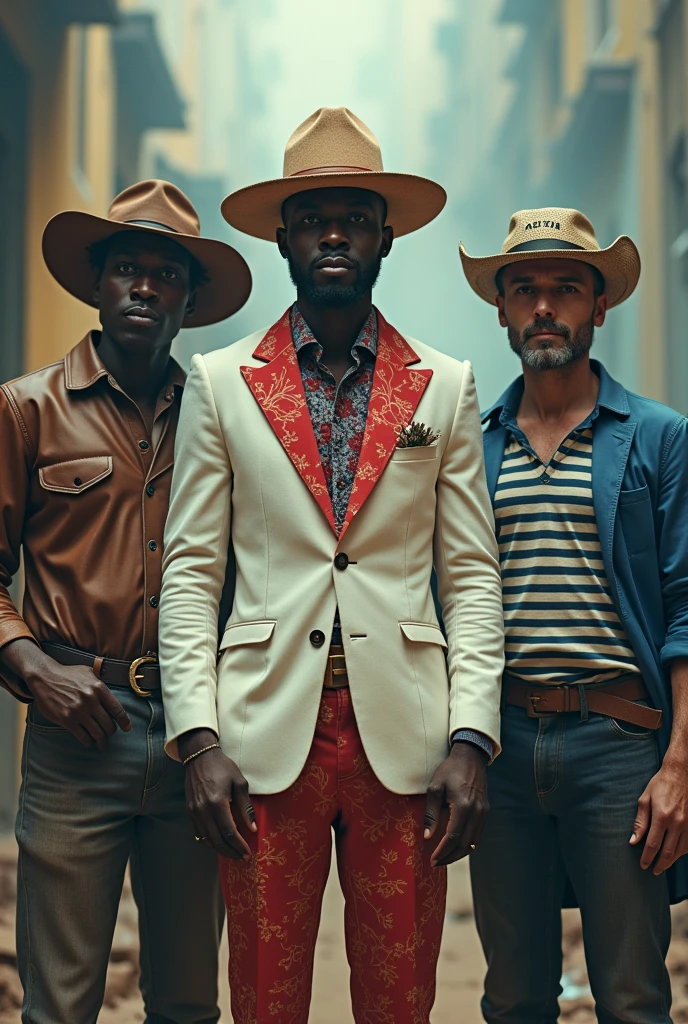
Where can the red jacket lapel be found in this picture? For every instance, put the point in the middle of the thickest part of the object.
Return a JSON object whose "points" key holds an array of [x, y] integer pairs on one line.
{"points": [[395, 396], [278, 389]]}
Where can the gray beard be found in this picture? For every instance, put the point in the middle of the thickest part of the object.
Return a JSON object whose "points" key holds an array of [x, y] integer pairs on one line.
{"points": [[547, 356]]}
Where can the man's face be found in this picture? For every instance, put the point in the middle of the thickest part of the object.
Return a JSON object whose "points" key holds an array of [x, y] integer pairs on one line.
{"points": [[334, 240], [550, 310], [144, 290]]}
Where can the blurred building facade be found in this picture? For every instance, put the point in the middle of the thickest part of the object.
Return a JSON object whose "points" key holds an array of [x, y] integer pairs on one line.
{"points": [[589, 108], [82, 83]]}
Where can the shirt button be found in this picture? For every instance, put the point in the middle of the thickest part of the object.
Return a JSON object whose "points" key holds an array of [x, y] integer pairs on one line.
{"points": [[317, 638], [144, 446], [153, 545], [341, 561], [153, 602], [150, 490]]}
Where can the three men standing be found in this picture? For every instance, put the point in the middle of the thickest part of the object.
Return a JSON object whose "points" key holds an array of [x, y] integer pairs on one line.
{"points": [[343, 460], [85, 475], [590, 488]]}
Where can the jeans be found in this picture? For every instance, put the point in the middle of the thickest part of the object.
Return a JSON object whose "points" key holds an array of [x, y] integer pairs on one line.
{"points": [[563, 798], [83, 814]]}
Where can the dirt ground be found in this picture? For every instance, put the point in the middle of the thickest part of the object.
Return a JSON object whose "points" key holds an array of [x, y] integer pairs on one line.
{"points": [[460, 974]]}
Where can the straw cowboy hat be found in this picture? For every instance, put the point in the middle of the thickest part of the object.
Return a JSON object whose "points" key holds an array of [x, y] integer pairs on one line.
{"points": [[155, 208], [334, 149], [556, 233]]}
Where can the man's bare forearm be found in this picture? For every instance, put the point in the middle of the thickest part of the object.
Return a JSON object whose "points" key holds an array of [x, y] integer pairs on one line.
{"points": [[193, 740], [677, 753]]}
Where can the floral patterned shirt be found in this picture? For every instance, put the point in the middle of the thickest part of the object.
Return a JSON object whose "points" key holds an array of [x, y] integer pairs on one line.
{"points": [[338, 411]]}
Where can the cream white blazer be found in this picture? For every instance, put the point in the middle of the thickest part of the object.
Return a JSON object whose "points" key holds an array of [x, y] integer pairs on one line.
{"points": [[247, 465]]}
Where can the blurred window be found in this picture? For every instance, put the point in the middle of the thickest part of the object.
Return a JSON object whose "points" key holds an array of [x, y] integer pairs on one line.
{"points": [[80, 105], [602, 24]]}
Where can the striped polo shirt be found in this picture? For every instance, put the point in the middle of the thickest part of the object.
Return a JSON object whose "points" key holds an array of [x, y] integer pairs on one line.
{"points": [[560, 621]]}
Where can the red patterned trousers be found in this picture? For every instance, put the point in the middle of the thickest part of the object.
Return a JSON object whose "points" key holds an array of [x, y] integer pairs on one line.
{"points": [[394, 900]]}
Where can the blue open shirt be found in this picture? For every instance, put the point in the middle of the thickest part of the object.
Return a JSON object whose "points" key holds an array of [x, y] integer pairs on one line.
{"points": [[640, 496]]}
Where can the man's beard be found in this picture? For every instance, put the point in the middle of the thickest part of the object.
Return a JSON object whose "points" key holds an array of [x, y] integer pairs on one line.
{"points": [[333, 295], [549, 356]]}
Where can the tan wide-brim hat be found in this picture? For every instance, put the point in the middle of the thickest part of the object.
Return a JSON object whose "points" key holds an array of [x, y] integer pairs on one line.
{"points": [[153, 207], [334, 149], [556, 233]]}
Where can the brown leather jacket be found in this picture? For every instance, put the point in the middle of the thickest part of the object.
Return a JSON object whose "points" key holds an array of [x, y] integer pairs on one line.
{"points": [[84, 490]]}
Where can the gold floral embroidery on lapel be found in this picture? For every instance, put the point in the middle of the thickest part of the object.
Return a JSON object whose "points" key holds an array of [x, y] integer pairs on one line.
{"points": [[395, 396], [278, 389]]}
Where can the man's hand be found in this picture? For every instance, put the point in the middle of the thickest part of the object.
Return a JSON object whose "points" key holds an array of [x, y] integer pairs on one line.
{"points": [[213, 784], [662, 818], [460, 784], [69, 696]]}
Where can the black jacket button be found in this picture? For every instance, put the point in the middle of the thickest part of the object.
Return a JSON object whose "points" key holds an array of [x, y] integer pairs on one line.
{"points": [[317, 638], [153, 602], [150, 490], [341, 561], [153, 545], [144, 446]]}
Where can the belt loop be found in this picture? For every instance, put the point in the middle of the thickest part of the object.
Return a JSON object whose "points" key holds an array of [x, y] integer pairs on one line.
{"points": [[97, 666], [583, 698]]}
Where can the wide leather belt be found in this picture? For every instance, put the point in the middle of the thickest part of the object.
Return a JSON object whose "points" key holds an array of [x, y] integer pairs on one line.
{"points": [[336, 677], [615, 700], [141, 675]]}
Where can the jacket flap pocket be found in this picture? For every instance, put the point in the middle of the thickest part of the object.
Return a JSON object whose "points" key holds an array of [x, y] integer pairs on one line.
{"points": [[240, 633], [75, 476], [423, 632], [420, 453], [635, 496]]}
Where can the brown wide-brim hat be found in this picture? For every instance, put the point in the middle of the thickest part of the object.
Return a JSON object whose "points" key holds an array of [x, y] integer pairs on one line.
{"points": [[334, 149], [156, 208], [556, 233]]}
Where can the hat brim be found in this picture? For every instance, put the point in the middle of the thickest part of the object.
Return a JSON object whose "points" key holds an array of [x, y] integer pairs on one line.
{"points": [[619, 265], [412, 201], [67, 238]]}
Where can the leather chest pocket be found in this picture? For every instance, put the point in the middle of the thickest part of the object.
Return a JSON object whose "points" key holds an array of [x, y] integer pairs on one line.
{"points": [[75, 476], [421, 453]]}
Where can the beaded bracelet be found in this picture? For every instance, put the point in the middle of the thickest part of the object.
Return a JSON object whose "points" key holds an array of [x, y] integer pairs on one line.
{"points": [[198, 753]]}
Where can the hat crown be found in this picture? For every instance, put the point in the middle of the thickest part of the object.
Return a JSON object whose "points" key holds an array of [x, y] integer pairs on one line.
{"points": [[332, 137], [158, 204], [555, 223]]}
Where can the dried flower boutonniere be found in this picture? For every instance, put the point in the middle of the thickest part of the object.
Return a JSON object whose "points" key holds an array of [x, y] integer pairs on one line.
{"points": [[417, 435]]}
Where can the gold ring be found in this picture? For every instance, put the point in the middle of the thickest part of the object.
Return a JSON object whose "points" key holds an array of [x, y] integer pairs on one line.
{"points": [[472, 846]]}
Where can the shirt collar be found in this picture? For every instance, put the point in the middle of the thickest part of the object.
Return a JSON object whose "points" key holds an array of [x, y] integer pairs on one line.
{"points": [[83, 367], [302, 334], [612, 396]]}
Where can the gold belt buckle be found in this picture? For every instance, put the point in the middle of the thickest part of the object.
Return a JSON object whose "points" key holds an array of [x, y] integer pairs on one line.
{"points": [[536, 699], [334, 672], [148, 658]]}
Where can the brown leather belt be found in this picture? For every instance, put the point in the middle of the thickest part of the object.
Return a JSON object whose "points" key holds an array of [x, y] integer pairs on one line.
{"points": [[336, 677], [141, 675], [615, 700]]}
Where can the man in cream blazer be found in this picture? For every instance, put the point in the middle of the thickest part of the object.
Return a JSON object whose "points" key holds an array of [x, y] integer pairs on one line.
{"points": [[342, 460]]}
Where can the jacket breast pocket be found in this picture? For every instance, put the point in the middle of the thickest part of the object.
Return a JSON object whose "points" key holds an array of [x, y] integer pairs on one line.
{"points": [[421, 453], [75, 476], [637, 521]]}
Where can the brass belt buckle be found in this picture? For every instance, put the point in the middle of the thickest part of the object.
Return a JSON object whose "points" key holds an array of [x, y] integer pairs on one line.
{"points": [[150, 658], [337, 671], [536, 698]]}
